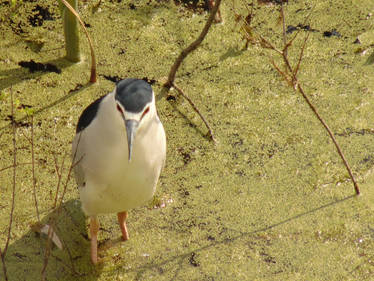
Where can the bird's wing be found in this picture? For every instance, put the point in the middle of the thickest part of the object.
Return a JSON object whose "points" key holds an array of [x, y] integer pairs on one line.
{"points": [[88, 115]]}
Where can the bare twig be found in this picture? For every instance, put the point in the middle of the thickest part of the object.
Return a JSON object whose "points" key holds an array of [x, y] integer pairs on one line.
{"points": [[292, 76], [268, 45], [3, 252], [66, 182], [11, 166], [72, 165], [33, 168], [283, 25], [93, 77], [295, 71], [196, 109], [331, 134], [59, 176], [298, 87], [192, 46], [26, 137], [284, 75], [14, 176], [217, 17], [289, 74], [52, 221]]}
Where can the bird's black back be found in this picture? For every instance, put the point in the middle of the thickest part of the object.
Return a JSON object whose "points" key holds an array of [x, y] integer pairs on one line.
{"points": [[88, 115]]}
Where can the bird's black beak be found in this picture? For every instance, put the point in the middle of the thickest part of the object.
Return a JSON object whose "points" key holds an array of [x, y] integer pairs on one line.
{"points": [[131, 128]]}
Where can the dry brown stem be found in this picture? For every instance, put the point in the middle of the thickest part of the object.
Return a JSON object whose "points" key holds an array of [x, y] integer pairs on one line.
{"points": [[180, 91], [52, 221], [11, 166], [290, 76], [14, 176], [72, 165], [194, 45], [59, 176], [33, 169], [3, 252]]}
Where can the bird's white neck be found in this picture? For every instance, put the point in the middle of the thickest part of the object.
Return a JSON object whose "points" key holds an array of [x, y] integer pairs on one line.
{"points": [[109, 119]]}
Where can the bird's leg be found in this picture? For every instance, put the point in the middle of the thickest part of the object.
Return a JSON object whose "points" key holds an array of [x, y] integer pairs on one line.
{"points": [[122, 216], [94, 229]]}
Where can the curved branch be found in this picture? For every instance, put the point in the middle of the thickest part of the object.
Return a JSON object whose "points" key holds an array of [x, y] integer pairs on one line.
{"points": [[192, 46]]}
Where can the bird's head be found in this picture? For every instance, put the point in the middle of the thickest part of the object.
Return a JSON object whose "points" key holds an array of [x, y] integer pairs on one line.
{"points": [[135, 103]]}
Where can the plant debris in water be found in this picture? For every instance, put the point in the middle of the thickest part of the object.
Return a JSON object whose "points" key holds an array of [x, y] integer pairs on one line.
{"points": [[40, 15], [291, 28], [333, 32], [33, 66]]}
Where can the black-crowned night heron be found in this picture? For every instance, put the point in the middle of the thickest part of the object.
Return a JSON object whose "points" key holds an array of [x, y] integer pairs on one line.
{"points": [[118, 152]]}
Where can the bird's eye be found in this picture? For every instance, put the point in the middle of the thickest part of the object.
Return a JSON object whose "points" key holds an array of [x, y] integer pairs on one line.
{"points": [[119, 109], [144, 113]]}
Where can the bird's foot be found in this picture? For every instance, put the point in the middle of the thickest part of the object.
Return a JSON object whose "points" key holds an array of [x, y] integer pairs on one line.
{"points": [[122, 216]]}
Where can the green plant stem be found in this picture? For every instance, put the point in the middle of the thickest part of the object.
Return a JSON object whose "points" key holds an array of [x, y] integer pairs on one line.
{"points": [[93, 76], [71, 33]]}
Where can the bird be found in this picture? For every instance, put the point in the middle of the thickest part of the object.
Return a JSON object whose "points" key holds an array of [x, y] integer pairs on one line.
{"points": [[118, 152]]}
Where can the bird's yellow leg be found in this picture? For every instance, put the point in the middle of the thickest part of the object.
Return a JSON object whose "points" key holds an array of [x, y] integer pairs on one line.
{"points": [[122, 216], [94, 229]]}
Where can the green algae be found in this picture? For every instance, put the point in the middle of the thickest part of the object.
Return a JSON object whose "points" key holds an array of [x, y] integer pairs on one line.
{"points": [[270, 201]]}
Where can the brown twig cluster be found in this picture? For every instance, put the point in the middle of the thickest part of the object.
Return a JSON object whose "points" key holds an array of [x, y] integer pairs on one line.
{"points": [[31, 141], [289, 74], [57, 208], [48, 229]]}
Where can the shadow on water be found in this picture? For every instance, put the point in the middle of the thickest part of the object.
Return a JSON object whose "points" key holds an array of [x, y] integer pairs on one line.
{"points": [[232, 53], [17, 75], [164, 94], [181, 259], [25, 257], [11, 77]]}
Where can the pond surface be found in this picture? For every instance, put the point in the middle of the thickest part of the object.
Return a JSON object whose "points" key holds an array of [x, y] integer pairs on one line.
{"points": [[271, 200]]}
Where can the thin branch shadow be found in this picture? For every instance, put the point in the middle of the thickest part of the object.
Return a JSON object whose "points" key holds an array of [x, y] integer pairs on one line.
{"points": [[231, 53], [163, 94], [179, 258], [70, 94]]}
